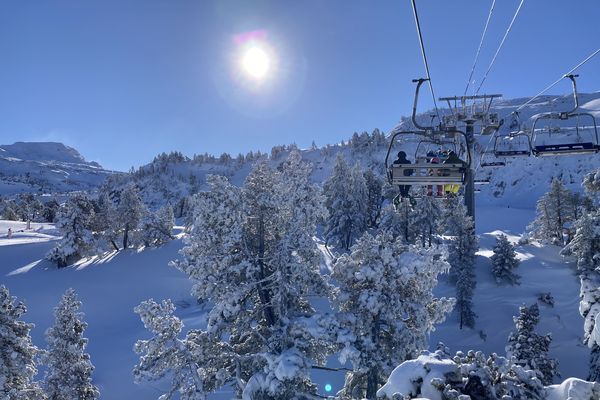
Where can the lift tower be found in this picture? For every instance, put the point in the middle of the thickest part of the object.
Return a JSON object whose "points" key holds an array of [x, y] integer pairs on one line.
{"points": [[469, 110]]}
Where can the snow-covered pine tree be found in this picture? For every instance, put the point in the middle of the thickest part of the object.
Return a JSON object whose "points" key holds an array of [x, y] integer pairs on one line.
{"points": [[252, 258], [504, 261], [374, 197], [462, 248], [103, 224], [157, 227], [198, 364], [530, 349], [17, 352], [397, 222], [69, 369], [585, 246], [589, 307], [553, 213], [129, 213], [385, 307], [360, 201], [75, 223], [426, 218], [345, 192]]}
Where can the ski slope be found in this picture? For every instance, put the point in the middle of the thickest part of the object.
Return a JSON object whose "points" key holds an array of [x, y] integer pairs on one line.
{"points": [[111, 287]]}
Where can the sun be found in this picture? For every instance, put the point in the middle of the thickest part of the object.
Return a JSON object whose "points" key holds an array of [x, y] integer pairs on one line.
{"points": [[256, 62]]}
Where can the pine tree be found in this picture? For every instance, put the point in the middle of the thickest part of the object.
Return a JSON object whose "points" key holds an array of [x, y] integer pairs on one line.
{"points": [[129, 213], [585, 246], [590, 311], [397, 223], [360, 202], [157, 227], [530, 349], [346, 198], [462, 248], [374, 197], [386, 308], [69, 373], [17, 352], [103, 224], [198, 364], [426, 219], [504, 261], [75, 223], [251, 256], [554, 212]]}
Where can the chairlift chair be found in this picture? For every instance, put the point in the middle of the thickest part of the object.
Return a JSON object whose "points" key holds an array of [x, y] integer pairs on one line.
{"points": [[488, 159], [422, 172], [516, 144], [585, 145]]}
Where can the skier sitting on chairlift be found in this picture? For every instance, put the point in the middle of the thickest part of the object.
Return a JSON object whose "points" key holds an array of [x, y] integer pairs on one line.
{"points": [[435, 159], [404, 189], [452, 159]]}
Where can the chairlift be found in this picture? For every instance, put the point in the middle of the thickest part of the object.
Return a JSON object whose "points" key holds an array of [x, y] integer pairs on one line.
{"points": [[555, 141], [516, 144], [491, 124], [423, 172], [488, 159]]}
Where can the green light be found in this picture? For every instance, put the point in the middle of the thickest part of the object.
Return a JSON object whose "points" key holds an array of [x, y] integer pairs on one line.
{"points": [[328, 388]]}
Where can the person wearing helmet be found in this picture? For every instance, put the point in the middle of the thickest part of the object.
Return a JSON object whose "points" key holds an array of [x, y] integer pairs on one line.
{"points": [[404, 189]]}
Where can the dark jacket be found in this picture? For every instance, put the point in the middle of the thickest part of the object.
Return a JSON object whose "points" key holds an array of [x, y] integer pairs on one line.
{"points": [[404, 160]]}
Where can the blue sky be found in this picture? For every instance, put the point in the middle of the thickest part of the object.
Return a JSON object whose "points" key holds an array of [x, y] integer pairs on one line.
{"points": [[122, 80]]}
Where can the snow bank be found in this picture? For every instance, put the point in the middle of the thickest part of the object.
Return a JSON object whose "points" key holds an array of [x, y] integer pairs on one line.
{"points": [[573, 389], [414, 377], [418, 378]]}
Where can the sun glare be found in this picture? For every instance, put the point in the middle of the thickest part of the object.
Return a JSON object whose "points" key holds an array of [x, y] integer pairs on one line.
{"points": [[256, 62]]}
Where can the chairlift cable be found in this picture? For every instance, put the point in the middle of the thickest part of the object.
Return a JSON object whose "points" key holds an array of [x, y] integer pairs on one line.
{"points": [[480, 46], [559, 79], [500, 46], [418, 25]]}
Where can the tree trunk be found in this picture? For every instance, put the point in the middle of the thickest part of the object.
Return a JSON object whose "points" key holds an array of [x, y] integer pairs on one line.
{"points": [[373, 373], [114, 244], [125, 236], [372, 385], [264, 295]]}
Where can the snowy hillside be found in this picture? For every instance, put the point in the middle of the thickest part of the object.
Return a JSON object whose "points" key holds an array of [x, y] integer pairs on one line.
{"points": [[171, 177], [46, 168], [109, 289]]}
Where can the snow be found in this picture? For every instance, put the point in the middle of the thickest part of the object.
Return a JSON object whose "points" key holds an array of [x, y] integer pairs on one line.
{"points": [[111, 287], [573, 389], [109, 290], [542, 270], [46, 167], [412, 375]]}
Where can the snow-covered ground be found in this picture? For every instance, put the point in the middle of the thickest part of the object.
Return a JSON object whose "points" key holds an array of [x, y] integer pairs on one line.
{"points": [[111, 287]]}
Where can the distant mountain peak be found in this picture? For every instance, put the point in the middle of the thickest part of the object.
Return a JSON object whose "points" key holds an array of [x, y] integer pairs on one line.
{"points": [[44, 151]]}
